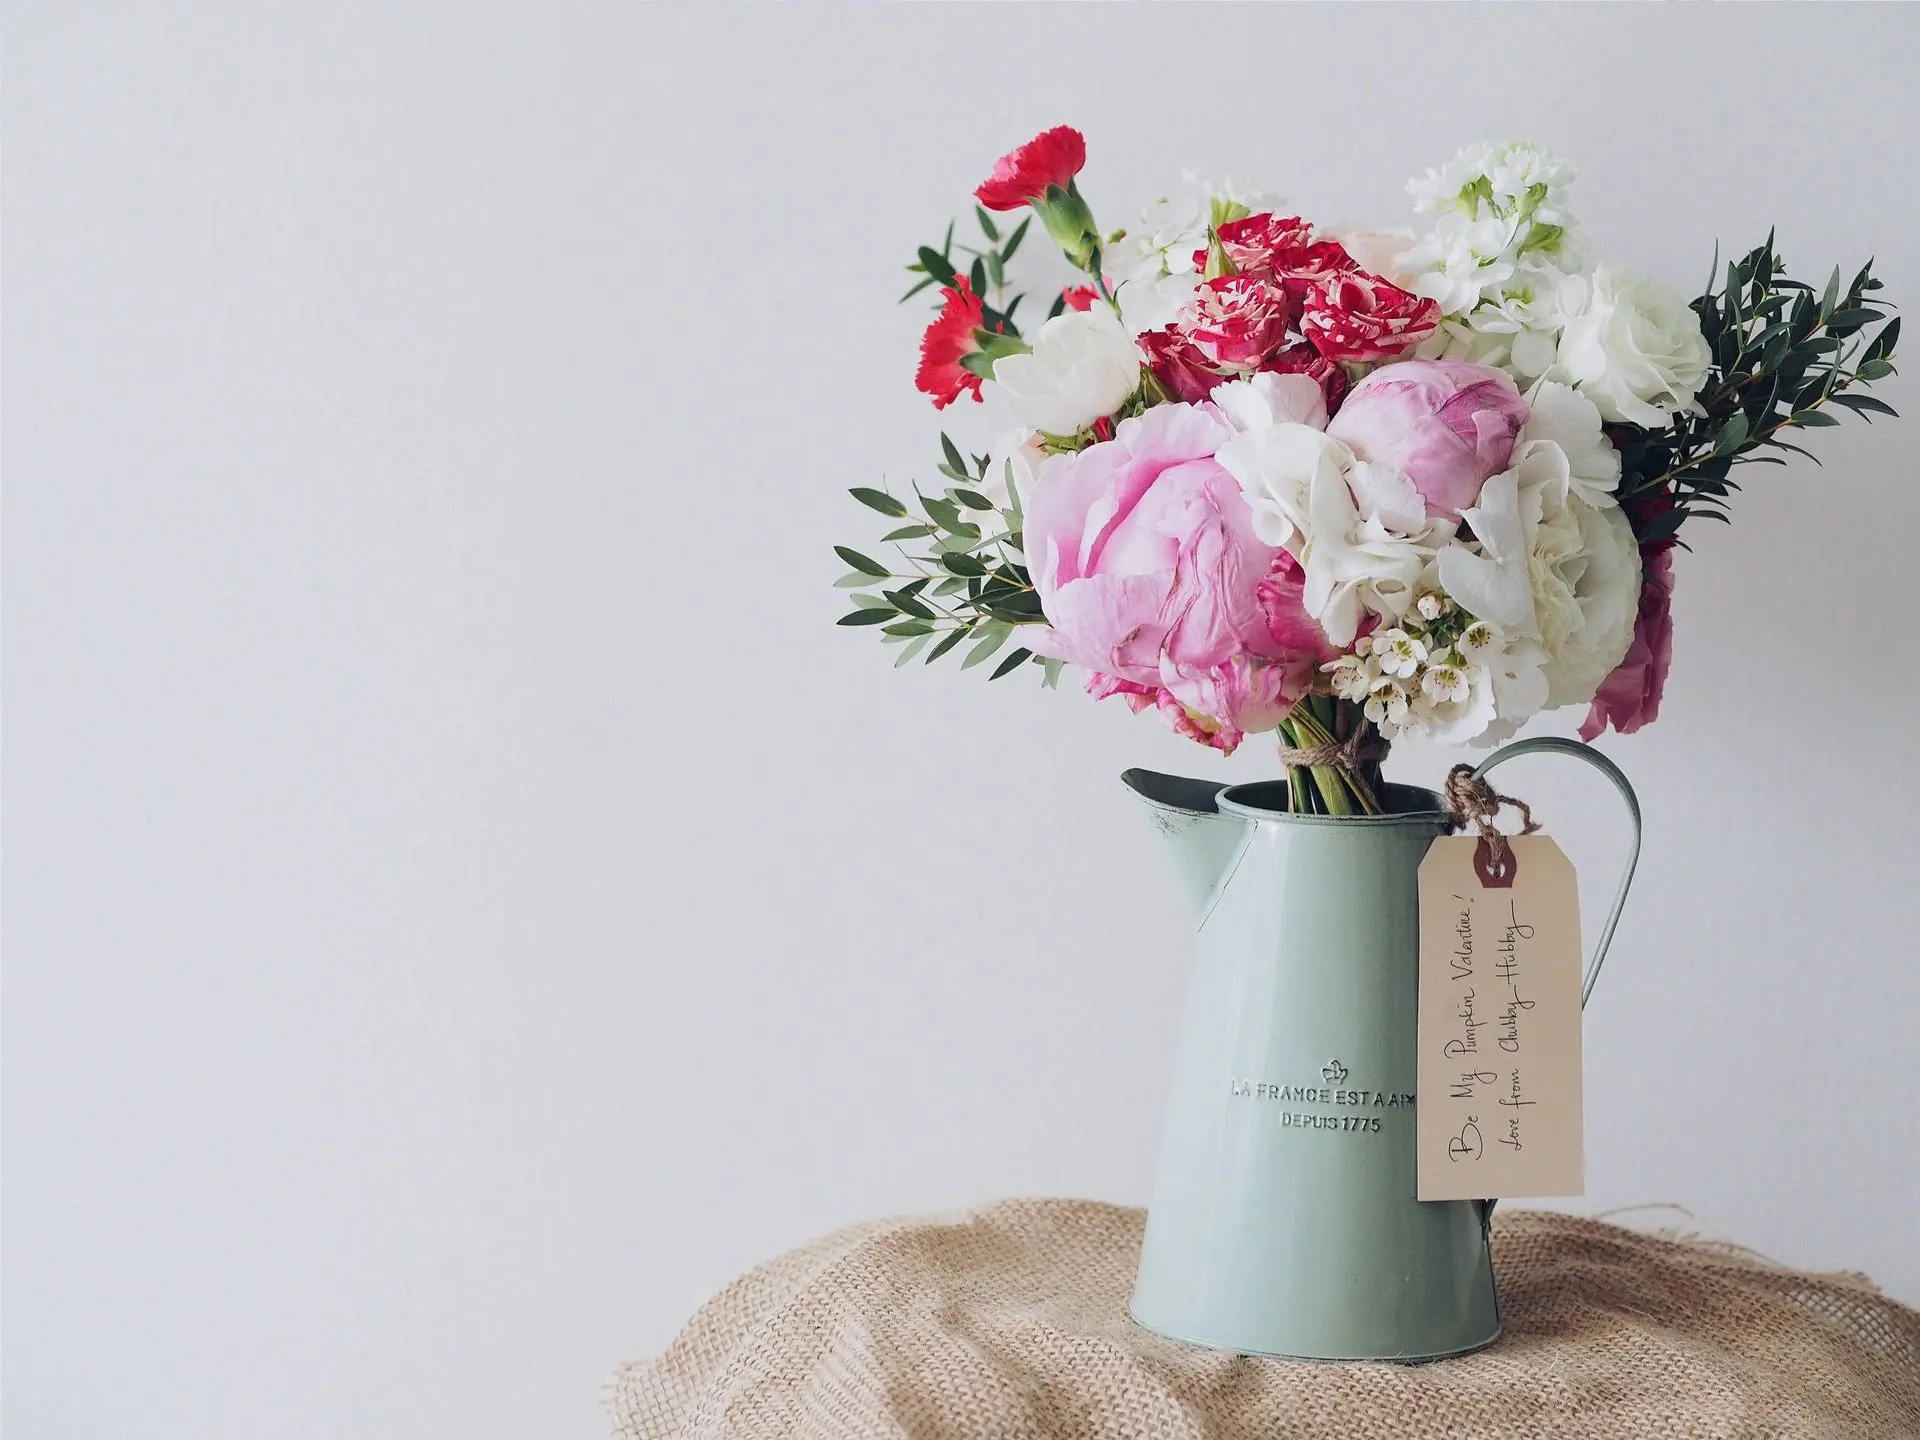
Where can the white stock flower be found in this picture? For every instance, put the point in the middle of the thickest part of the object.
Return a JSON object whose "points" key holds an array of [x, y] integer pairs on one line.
{"points": [[1163, 242], [1272, 399], [1462, 260], [1155, 302], [1083, 365], [1631, 346], [1235, 191]]}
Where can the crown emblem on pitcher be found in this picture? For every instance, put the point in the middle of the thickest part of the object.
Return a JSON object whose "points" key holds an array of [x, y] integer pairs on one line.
{"points": [[1333, 1072]]}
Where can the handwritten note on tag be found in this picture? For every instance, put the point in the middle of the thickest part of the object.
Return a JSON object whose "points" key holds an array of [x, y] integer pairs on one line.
{"points": [[1500, 1100]]}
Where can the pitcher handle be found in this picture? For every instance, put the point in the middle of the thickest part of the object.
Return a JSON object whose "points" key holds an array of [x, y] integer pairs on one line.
{"points": [[1554, 745]]}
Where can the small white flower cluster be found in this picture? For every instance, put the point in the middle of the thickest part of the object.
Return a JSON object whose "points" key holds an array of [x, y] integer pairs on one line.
{"points": [[1441, 674]]}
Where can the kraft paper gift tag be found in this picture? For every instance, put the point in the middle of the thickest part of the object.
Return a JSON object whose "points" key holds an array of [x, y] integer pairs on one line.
{"points": [[1499, 1040]]}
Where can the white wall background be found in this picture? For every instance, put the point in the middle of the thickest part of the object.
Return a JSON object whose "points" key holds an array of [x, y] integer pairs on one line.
{"points": [[465, 900]]}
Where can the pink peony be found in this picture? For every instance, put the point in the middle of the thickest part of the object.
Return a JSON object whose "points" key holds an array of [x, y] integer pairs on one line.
{"points": [[1445, 424], [1630, 696], [1143, 553]]}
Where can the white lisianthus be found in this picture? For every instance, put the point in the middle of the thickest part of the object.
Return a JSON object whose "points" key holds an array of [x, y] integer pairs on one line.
{"points": [[1083, 365], [1631, 346], [1583, 566]]}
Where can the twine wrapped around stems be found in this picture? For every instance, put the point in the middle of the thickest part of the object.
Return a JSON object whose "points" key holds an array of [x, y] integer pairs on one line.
{"points": [[1363, 747]]}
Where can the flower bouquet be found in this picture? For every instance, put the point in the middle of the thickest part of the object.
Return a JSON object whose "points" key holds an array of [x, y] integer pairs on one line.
{"points": [[1338, 483]]}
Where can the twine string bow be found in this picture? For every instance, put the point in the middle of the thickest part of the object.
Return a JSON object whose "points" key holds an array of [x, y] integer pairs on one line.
{"points": [[1473, 801]]}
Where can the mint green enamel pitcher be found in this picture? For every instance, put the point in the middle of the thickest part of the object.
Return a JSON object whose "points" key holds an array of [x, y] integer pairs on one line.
{"points": [[1284, 1222]]}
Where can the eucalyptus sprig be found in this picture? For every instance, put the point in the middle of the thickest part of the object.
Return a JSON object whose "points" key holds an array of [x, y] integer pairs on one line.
{"points": [[1782, 355], [958, 575]]}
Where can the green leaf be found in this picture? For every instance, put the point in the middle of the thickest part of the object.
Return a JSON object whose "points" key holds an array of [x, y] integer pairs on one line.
{"points": [[943, 513], [946, 643], [862, 563], [962, 564], [1830, 296], [987, 227], [915, 531], [878, 500], [855, 581], [1053, 669], [1011, 663], [1013, 240], [1732, 435], [937, 265], [955, 460], [978, 276], [972, 499], [1861, 404], [1812, 419], [913, 648], [996, 271], [915, 290], [995, 637], [866, 617], [910, 627], [1872, 370], [908, 603], [872, 602], [1848, 321]]}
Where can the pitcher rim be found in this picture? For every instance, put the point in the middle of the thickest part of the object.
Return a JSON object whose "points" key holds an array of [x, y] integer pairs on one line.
{"points": [[1431, 815]]}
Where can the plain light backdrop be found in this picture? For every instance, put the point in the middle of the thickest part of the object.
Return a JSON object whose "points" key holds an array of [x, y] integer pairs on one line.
{"points": [[466, 900]]}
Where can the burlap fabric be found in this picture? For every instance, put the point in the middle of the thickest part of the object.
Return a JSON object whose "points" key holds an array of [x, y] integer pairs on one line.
{"points": [[1010, 1322]]}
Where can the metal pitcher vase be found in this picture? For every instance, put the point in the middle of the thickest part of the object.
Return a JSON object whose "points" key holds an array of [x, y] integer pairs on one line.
{"points": [[1293, 1229]]}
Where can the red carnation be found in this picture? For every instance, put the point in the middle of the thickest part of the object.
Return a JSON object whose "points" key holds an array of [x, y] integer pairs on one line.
{"points": [[1236, 321], [1356, 316], [1079, 297], [1048, 161], [948, 340]]}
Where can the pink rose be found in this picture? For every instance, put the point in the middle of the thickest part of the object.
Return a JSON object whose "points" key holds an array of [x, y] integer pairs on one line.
{"points": [[1351, 315], [1445, 424], [1143, 553], [1630, 696], [1235, 322]]}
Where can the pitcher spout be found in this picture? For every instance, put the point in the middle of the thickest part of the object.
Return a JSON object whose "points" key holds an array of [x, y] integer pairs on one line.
{"points": [[1201, 842]]}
